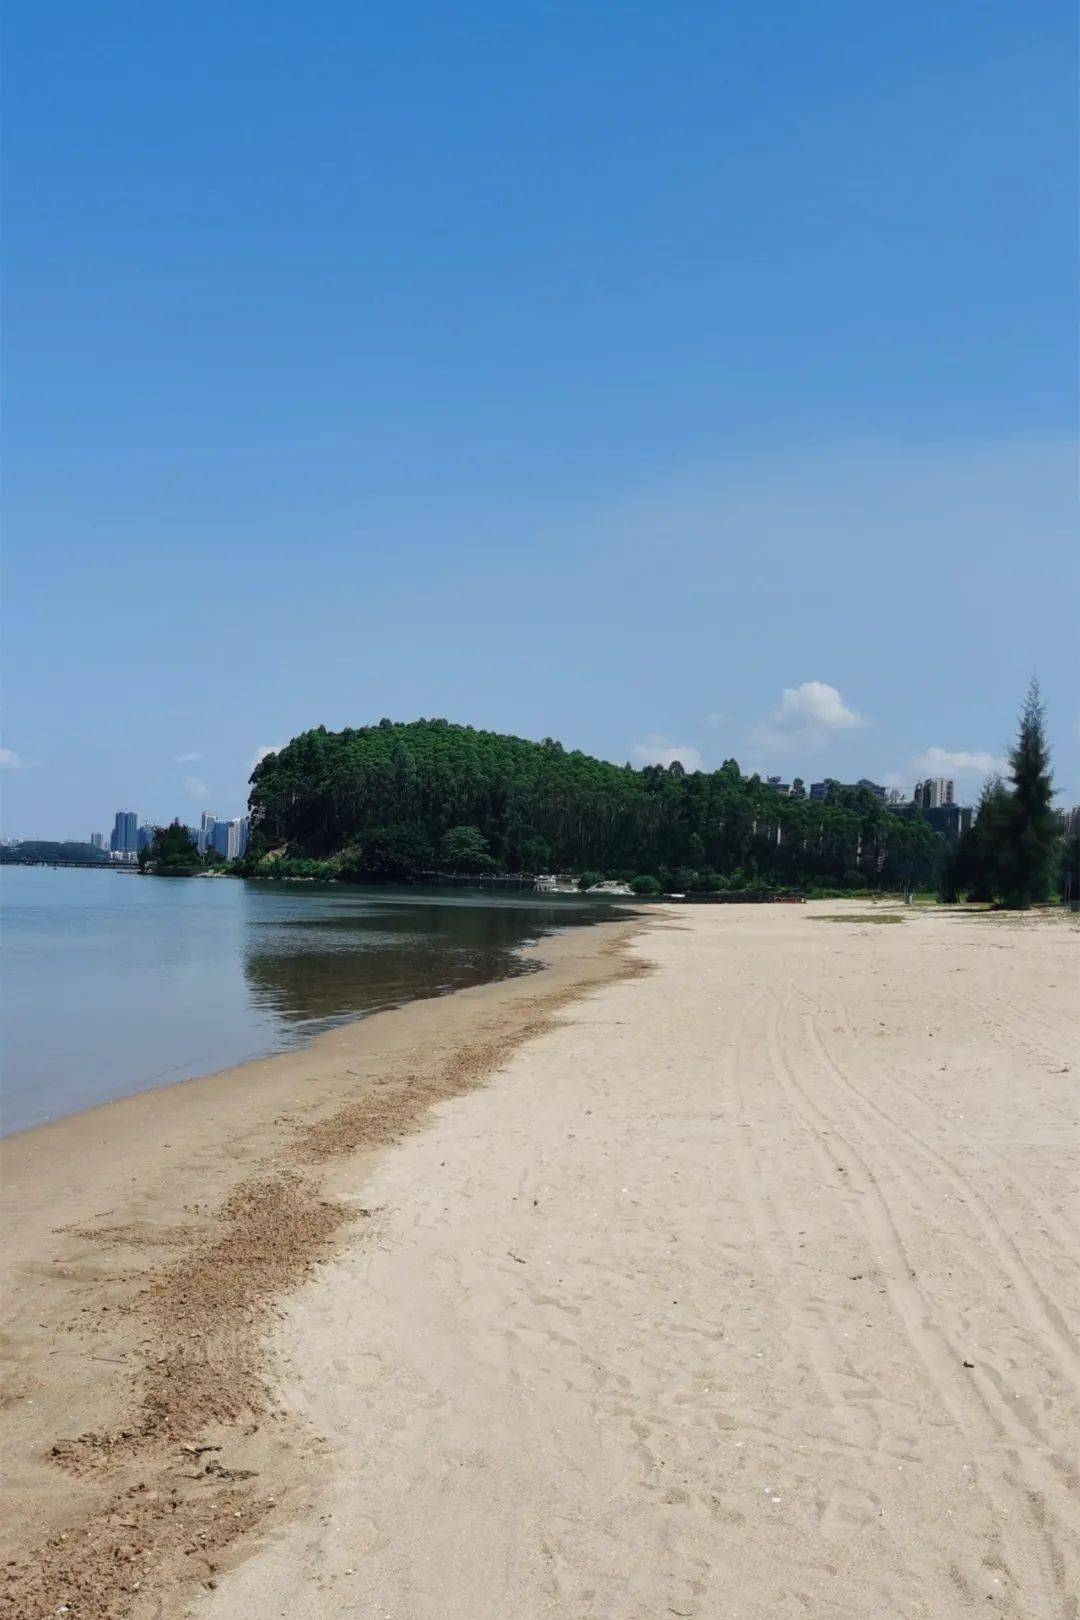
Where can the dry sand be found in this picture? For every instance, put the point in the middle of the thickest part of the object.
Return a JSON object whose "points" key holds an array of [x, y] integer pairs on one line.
{"points": [[744, 1288]]}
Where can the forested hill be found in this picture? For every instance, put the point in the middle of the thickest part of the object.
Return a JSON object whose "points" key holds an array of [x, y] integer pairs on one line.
{"points": [[390, 800], [51, 849]]}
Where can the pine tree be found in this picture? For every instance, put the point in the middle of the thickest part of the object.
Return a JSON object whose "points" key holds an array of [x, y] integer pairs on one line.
{"points": [[1029, 851], [988, 840]]}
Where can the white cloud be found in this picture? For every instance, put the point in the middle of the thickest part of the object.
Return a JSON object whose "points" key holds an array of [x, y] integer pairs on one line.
{"points": [[9, 760], [957, 762], [807, 716], [947, 762], [656, 750], [814, 706], [187, 759], [262, 753], [713, 720], [196, 787]]}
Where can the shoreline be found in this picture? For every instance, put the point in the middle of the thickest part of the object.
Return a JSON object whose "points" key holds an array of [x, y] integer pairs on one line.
{"points": [[542, 954], [151, 1238], [278, 991]]}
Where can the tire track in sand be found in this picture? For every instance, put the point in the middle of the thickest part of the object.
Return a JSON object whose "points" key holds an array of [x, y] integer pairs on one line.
{"points": [[1067, 1237], [818, 1345], [986, 1424], [1058, 1023], [1043, 1503], [1063, 1346], [995, 1017]]}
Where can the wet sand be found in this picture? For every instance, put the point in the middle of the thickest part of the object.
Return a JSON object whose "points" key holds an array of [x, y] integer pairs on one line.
{"points": [[746, 1285], [148, 1245]]}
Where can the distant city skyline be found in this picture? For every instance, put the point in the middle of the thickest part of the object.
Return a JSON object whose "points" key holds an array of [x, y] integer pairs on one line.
{"points": [[136, 830], [227, 835]]}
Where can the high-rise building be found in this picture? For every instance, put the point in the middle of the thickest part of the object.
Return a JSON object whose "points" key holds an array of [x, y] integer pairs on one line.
{"points": [[229, 838], [205, 838], [98, 841], [145, 836], [934, 792], [125, 834]]}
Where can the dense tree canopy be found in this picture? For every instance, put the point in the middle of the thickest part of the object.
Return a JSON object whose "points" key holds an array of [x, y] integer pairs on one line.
{"points": [[390, 799]]}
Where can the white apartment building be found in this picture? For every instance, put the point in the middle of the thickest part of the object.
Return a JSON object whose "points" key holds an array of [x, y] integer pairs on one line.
{"points": [[934, 792]]}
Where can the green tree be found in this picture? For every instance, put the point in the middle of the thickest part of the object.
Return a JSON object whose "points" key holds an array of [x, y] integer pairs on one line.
{"points": [[387, 855], [989, 838], [535, 855], [464, 849], [171, 852], [973, 865], [645, 884], [1030, 849]]}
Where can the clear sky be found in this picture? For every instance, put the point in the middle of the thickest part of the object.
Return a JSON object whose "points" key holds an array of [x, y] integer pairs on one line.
{"points": [[667, 378]]}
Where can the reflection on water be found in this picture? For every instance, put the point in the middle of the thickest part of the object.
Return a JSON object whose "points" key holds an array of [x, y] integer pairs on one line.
{"points": [[114, 982], [318, 969]]}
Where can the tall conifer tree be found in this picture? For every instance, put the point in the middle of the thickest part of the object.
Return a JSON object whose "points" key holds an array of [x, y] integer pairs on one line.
{"points": [[1030, 852]]}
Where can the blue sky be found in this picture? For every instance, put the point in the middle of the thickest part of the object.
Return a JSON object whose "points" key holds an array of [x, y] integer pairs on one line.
{"points": [[681, 379]]}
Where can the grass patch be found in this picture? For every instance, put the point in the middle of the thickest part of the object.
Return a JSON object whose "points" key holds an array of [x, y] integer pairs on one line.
{"points": [[862, 917]]}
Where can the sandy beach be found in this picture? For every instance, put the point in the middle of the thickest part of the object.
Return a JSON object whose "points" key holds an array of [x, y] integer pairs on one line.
{"points": [[729, 1267]]}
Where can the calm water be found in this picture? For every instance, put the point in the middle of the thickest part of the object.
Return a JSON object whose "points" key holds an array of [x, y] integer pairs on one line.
{"points": [[113, 982]]}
